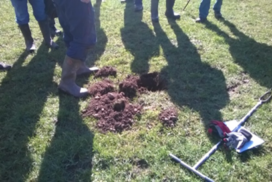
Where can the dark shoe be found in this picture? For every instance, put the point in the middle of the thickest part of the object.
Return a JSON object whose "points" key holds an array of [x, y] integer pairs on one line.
{"points": [[218, 15], [155, 19], [29, 42], [138, 8], [68, 77], [200, 20], [4, 67], [44, 26], [55, 32], [174, 16], [122, 1]]}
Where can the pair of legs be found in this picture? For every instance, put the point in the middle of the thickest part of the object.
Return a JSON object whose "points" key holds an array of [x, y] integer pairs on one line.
{"points": [[169, 13], [204, 10], [79, 35], [22, 19]]}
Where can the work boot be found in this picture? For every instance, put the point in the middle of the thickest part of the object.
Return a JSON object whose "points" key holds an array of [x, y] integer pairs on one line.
{"points": [[4, 67], [69, 72], [29, 42], [85, 70], [218, 15], [200, 20], [44, 26], [169, 10]]}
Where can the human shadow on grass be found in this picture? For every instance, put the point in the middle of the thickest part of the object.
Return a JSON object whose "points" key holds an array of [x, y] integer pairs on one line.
{"points": [[69, 156], [192, 83], [252, 56], [138, 39], [23, 94]]}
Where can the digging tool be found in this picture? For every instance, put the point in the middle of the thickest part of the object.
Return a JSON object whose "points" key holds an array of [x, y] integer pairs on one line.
{"points": [[186, 5], [263, 99]]}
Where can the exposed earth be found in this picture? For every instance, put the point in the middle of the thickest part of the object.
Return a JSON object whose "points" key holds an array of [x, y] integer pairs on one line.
{"points": [[114, 109]]}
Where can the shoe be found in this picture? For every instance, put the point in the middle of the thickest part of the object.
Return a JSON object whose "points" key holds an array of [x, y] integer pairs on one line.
{"points": [[173, 16], [85, 70], [200, 20], [29, 41], [155, 19], [138, 8], [68, 77], [4, 67], [122, 1], [218, 15]]}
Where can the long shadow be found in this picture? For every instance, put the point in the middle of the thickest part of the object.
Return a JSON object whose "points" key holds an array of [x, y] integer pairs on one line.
{"points": [[23, 94], [139, 39], [254, 57], [192, 83], [69, 157]]}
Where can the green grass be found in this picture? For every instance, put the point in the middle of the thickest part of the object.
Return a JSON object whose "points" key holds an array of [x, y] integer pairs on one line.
{"points": [[44, 138]]}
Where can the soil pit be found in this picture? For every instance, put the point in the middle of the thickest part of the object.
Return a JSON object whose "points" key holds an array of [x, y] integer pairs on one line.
{"points": [[168, 117], [149, 81]]}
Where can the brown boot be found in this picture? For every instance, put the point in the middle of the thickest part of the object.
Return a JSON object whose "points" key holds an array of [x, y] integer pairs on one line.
{"points": [[29, 42], [68, 77]]}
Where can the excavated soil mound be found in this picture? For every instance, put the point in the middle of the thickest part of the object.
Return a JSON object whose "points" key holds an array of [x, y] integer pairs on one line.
{"points": [[101, 87], [149, 81], [113, 111], [168, 117], [106, 71]]}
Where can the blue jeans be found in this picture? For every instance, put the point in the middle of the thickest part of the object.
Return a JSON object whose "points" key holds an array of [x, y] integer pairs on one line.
{"points": [[205, 6], [21, 11], [78, 23], [138, 2]]}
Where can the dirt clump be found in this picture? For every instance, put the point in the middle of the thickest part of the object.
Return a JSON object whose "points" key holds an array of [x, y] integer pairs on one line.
{"points": [[168, 117], [113, 111], [105, 72], [101, 88]]}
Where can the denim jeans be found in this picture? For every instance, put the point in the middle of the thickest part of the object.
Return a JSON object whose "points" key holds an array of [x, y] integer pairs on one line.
{"points": [[21, 11], [205, 6], [138, 2], [78, 23]]}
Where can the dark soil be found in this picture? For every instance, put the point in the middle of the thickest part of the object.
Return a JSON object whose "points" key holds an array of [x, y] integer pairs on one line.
{"points": [[168, 117], [149, 81], [101, 87], [106, 71], [113, 111]]}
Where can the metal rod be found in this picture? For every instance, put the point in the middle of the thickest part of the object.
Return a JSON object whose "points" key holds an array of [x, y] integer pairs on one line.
{"points": [[206, 178]]}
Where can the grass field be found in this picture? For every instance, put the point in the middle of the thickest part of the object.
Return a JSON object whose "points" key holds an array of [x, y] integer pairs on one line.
{"points": [[215, 71]]}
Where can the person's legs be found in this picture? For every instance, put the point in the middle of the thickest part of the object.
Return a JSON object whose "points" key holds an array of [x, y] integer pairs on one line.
{"points": [[138, 5], [39, 13], [169, 10], [79, 32], [217, 8], [154, 10], [203, 10], [22, 19], [21, 11]]}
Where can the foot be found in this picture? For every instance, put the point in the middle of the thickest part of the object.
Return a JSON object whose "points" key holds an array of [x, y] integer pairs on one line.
{"points": [[73, 89], [155, 19], [122, 1], [200, 20], [84, 70], [4, 67], [52, 45], [218, 15], [174, 16], [30, 46], [138, 8]]}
